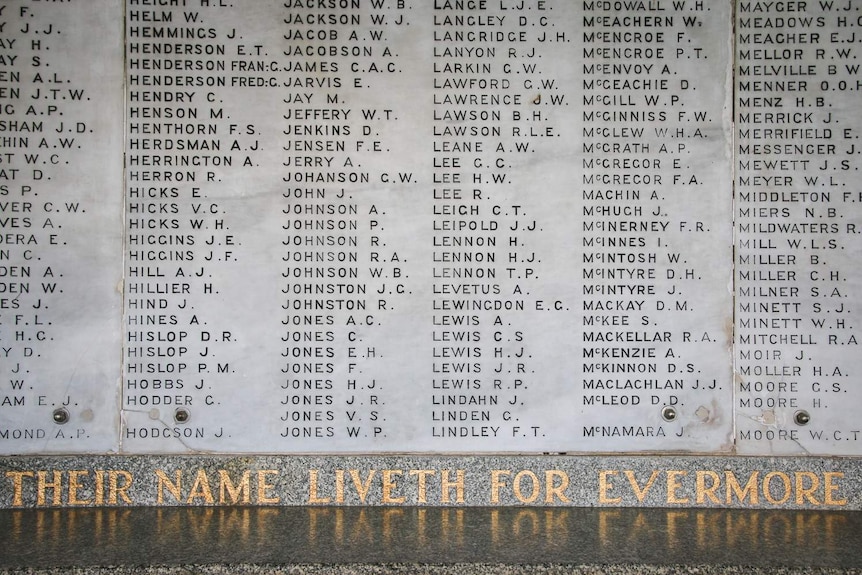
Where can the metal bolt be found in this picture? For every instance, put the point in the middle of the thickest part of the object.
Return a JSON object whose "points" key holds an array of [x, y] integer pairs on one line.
{"points": [[60, 416], [668, 414], [182, 415], [802, 418]]}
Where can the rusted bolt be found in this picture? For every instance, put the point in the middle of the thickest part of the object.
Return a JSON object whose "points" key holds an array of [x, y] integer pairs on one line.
{"points": [[182, 415]]}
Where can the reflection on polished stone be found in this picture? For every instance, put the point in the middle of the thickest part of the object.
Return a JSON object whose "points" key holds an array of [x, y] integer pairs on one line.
{"points": [[243, 535]]}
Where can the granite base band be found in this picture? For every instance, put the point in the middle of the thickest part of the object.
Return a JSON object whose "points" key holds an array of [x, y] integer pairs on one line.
{"points": [[471, 540], [462, 569], [427, 480]]}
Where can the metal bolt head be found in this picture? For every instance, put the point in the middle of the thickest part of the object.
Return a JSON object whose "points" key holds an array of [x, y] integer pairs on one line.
{"points": [[60, 416], [668, 414], [182, 415], [802, 418]]}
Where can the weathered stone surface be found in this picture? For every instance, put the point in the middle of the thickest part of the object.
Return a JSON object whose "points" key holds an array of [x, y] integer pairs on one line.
{"points": [[468, 481]]}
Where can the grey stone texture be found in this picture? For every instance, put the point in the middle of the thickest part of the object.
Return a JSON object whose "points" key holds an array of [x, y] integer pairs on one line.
{"points": [[685, 482]]}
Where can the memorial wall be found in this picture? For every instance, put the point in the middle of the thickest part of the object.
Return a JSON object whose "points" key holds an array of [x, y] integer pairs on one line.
{"points": [[434, 228]]}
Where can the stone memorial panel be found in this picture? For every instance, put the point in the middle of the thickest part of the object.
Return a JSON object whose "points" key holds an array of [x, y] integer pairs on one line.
{"points": [[437, 226], [441, 227], [798, 226], [61, 241]]}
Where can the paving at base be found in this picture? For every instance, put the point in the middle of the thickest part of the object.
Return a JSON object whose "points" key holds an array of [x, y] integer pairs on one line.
{"points": [[460, 569], [428, 540]]}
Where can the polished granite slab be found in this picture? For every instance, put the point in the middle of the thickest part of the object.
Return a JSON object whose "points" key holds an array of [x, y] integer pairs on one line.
{"points": [[428, 540]]}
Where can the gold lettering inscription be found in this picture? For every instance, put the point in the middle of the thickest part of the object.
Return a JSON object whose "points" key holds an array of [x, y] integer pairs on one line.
{"points": [[421, 486], [313, 497], [457, 484], [804, 493], [116, 490], [362, 488], [263, 497], [55, 485], [750, 488], [674, 485], [364, 485], [389, 485], [174, 489], [702, 492], [554, 489], [777, 488], [230, 492], [498, 483], [785, 485], [528, 486], [641, 493], [239, 493], [830, 488], [201, 488], [339, 486], [605, 486], [17, 478], [534, 489], [100, 487], [58, 488], [74, 486]]}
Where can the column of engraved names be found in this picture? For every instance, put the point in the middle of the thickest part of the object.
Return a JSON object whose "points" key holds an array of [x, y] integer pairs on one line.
{"points": [[655, 141], [494, 100], [798, 222], [320, 260], [59, 132], [342, 278], [180, 248]]}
